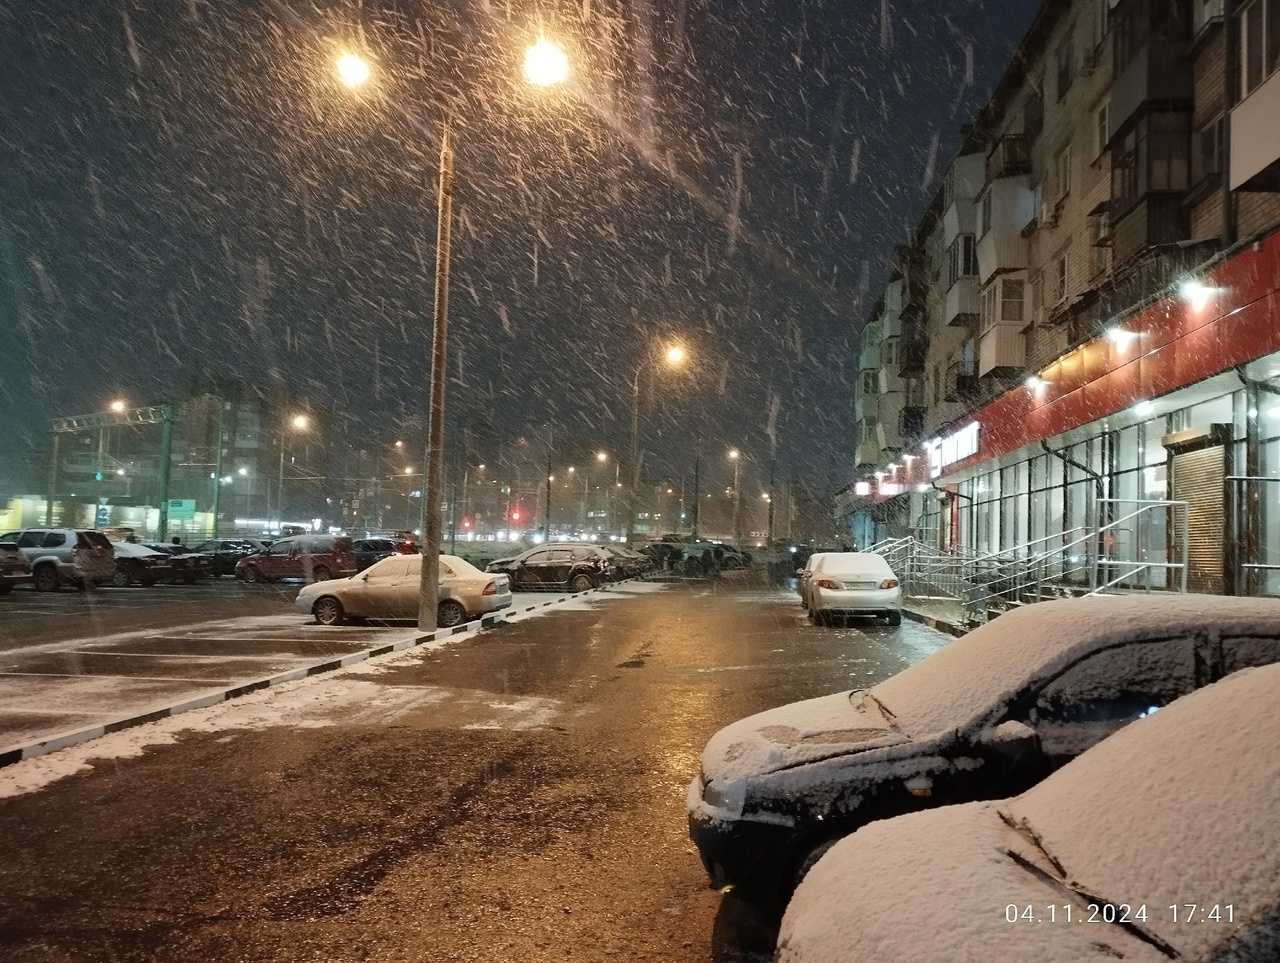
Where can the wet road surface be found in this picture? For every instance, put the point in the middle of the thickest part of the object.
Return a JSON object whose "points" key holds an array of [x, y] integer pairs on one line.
{"points": [[513, 795]]}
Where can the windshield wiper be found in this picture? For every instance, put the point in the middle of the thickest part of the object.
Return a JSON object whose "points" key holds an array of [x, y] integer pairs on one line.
{"points": [[1023, 829], [889, 717]]}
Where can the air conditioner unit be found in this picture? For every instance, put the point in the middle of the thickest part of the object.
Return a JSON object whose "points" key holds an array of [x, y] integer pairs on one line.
{"points": [[1048, 216]]}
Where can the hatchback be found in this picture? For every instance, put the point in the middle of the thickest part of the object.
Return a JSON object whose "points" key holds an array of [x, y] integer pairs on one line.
{"points": [[985, 717]]}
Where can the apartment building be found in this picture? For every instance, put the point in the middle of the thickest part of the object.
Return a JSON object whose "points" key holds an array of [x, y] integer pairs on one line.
{"points": [[1097, 346]]}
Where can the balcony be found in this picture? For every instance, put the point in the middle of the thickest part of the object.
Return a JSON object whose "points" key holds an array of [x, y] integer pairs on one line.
{"points": [[1156, 220], [1002, 349], [1003, 248], [1255, 139], [1158, 73], [911, 422], [959, 386], [1011, 157], [963, 303]]}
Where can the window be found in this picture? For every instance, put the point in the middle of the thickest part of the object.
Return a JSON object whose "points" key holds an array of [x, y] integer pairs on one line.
{"points": [[1259, 42], [963, 259], [870, 383], [1037, 297], [1002, 302], [1062, 170], [984, 214], [1033, 114], [1154, 156], [1066, 68], [1101, 123], [889, 351], [1208, 151], [1011, 295], [1102, 19], [1100, 245], [937, 384], [1061, 272]]}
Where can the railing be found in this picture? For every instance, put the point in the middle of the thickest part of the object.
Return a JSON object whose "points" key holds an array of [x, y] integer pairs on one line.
{"points": [[1079, 560]]}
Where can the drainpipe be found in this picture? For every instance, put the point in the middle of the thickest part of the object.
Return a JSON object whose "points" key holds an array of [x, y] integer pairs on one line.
{"points": [[1231, 91]]}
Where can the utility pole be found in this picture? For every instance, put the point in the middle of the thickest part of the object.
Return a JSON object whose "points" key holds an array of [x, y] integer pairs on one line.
{"points": [[697, 465]]}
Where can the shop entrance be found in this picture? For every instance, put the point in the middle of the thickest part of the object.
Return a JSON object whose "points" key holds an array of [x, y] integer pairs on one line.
{"points": [[1199, 462]]}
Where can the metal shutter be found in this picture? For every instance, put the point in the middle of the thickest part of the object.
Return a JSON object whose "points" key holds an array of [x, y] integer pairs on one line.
{"points": [[1198, 478]]}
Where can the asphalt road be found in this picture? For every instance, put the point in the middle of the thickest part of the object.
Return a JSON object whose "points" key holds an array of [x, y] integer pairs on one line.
{"points": [[516, 794]]}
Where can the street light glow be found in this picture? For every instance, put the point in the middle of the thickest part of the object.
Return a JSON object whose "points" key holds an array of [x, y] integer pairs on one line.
{"points": [[353, 70], [675, 355], [733, 453], [118, 405], [300, 422], [545, 64]]}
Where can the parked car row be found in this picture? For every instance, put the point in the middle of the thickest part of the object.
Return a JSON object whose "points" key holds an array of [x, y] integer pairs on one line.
{"points": [[571, 566], [821, 804]]}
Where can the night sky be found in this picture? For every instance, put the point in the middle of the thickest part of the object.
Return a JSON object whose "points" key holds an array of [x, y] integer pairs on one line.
{"points": [[186, 191]]}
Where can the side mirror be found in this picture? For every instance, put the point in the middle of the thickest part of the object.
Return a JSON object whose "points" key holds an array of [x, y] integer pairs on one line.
{"points": [[1012, 739]]}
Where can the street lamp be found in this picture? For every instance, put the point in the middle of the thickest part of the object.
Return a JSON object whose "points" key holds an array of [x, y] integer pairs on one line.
{"points": [[672, 357], [297, 423], [545, 64], [736, 458]]}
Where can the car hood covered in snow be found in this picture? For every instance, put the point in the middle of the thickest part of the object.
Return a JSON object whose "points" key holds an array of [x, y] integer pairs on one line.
{"points": [[795, 734]]}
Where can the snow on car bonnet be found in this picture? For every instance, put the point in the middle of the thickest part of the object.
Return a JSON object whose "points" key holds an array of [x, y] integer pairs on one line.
{"points": [[955, 686], [794, 734], [1177, 808]]}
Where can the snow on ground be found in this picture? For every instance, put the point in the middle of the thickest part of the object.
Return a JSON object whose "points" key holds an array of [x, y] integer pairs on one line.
{"points": [[344, 695]]}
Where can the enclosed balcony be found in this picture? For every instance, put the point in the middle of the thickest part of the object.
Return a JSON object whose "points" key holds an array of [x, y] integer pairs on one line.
{"points": [[1006, 208], [962, 303], [1255, 139], [1002, 350]]}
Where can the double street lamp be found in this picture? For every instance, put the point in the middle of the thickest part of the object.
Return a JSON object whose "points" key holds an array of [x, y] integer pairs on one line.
{"points": [[545, 64]]}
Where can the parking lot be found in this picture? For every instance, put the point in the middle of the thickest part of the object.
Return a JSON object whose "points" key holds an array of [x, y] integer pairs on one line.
{"points": [[73, 663]]}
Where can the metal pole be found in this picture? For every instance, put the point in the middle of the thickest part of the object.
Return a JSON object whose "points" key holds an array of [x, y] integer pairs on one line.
{"points": [[53, 482], [546, 522], [697, 467], [633, 464], [280, 488], [769, 524], [737, 503], [429, 583], [217, 471], [166, 456]]}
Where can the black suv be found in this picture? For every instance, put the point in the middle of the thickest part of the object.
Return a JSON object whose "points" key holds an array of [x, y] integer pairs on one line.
{"points": [[225, 552], [572, 567]]}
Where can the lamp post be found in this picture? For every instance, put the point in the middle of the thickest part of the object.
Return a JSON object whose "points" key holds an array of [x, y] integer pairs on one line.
{"points": [[602, 458], [298, 423], [673, 357], [545, 64], [736, 458]]}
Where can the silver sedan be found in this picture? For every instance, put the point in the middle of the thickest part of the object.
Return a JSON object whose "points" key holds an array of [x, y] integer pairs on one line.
{"points": [[389, 590]]}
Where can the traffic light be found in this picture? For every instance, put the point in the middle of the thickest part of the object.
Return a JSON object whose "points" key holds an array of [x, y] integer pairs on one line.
{"points": [[97, 476], [515, 516]]}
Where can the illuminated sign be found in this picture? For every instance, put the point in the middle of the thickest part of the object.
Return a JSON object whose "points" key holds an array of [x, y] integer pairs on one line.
{"points": [[953, 448], [862, 489]]}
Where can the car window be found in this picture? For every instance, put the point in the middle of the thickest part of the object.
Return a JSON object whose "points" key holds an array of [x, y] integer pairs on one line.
{"points": [[560, 555], [388, 569], [30, 539], [282, 547], [93, 539], [54, 540], [535, 557], [447, 571], [10, 536], [1119, 683], [1242, 653]]}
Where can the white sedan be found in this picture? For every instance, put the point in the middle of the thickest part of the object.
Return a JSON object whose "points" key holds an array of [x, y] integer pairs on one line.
{"points": [[1160, 843], [389, 590], [841, 584]]}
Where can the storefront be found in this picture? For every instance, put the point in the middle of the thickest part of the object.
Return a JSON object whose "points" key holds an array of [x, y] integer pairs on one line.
{"points": [[1155, 443]]}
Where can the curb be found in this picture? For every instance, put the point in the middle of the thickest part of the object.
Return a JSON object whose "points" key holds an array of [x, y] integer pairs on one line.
{"points": [[45, 746], [940, 625]]}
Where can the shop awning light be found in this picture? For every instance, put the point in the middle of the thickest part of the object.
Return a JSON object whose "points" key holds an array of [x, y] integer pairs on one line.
{"points": [[1035, 383], [1144, 408], [1197, 294], [1120, 337]]}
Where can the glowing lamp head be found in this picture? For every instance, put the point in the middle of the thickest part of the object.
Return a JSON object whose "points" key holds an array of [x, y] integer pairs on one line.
{"points": [[352, 69], [1197, 294], [545, 64]]}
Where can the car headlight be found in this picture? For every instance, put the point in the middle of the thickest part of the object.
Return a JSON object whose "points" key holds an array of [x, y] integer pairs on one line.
{"points": [[726, 796]]}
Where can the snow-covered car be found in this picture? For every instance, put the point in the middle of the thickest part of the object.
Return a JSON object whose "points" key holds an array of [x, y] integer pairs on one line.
{"points": [[843, 584], [571, 567], [988, 716], [1162, 843], [140, 564], [389, 590]]}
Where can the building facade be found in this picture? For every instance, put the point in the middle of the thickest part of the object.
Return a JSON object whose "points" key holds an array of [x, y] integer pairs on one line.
{"points": [[1101, 376]]}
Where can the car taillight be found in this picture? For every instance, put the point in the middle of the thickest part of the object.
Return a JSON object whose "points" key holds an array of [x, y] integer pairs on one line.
{"points": [[889, 583], [826, 583], [490, 589]]}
